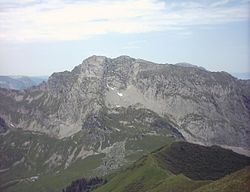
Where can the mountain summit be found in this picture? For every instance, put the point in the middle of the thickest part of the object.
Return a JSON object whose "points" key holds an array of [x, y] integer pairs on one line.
{"points": [[199, 106]]}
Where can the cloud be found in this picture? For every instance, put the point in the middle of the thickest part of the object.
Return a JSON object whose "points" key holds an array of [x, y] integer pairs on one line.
{"points": [[55, 20], [134, 44]]}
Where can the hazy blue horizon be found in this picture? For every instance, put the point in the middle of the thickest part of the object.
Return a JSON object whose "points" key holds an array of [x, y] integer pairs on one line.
{"points": [[38, 38]]}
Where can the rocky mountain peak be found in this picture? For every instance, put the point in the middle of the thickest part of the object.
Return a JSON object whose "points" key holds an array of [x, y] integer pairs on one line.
{"points": [[94, 59], [184, 64], [124, 59], [207, 107]]}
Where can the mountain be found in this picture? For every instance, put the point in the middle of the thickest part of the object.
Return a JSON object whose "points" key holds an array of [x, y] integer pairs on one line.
{"points": [[183, 64], [182, 166], [106, 113], [20, 82], [207, 107]]}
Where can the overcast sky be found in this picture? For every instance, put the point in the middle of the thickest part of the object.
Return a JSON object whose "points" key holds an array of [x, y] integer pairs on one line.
{"points": [[39, 37]]}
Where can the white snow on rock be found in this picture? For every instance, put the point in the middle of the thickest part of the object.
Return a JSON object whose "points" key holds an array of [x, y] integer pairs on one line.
{"points": [[34, 178], [120, 94]]}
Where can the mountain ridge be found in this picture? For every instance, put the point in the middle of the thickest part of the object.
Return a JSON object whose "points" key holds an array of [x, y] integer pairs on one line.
{"points": [[96, 78], [161, 170]]}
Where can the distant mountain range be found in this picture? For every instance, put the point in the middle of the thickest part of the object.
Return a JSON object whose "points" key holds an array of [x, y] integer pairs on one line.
{"points": [[107, 113], [237, 75], [241, 75], [184, 64], [20, 82]]}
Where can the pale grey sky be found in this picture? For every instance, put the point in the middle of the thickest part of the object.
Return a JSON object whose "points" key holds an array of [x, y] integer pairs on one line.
{"points": [[41, 37]]}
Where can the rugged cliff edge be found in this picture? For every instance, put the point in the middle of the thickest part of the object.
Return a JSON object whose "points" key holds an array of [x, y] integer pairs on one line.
{"points": [[206, 107]]}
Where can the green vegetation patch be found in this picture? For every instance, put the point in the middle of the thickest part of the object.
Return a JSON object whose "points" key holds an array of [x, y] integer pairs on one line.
{"points": [[235, 182], [178, 183], [139, 177], [200, 162], [57, 181], [179, 167]]}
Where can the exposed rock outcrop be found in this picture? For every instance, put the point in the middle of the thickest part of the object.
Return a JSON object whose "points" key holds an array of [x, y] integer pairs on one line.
{"points": [[206, 107]]}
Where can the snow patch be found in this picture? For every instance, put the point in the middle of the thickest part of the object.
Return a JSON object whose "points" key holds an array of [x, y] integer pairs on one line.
{"points": [[120, 94], [34, 178]]}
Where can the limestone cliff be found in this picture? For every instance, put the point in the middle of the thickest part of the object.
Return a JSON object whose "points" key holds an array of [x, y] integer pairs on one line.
{"points": [[202, 106]]}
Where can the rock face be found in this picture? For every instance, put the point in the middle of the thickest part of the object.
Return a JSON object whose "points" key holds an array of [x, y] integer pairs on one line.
{"points": [[3, 126], [202, 106]]}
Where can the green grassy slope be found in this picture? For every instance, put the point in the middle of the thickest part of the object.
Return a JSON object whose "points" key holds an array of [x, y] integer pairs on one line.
{"points": [[200, 162], [176, 167], [235, 182], [139, 177], [23, 155], [178, 183], [57, 181]]}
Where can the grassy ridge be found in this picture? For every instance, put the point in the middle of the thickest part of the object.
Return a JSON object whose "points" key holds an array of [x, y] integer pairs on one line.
{"points": [[147, 176], [235, 182], [178, 183], [139, 177], [177, 167], [200, 162]]}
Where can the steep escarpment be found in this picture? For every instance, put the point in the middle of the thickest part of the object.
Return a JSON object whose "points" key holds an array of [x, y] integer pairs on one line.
{"points": [[207, 107]]}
